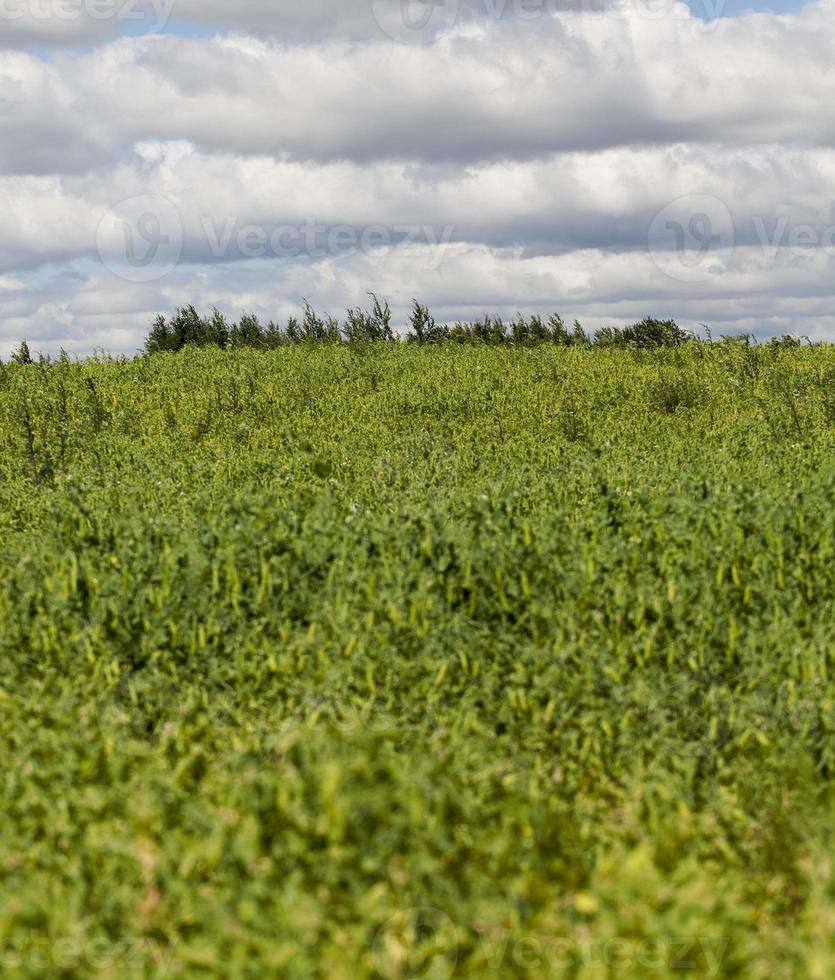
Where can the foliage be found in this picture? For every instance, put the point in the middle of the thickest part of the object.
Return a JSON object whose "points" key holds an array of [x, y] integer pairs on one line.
{"points": [[387, 660], [187, 329], [21, 354], [649, 333]]}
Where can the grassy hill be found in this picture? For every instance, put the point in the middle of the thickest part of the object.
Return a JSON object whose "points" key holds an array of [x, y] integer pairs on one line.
{"points": [[390, 660]]}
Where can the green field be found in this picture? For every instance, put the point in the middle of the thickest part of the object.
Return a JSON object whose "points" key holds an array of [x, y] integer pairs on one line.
{"points": [[384, 660]]}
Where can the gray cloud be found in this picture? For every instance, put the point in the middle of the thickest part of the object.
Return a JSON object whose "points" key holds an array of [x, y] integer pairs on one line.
{"points": [[567, 202], [501, 93], [74, 22], [607, 165]]}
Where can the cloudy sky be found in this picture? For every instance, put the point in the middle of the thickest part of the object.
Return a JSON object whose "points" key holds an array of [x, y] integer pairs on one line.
{"points": [[606, 159]]}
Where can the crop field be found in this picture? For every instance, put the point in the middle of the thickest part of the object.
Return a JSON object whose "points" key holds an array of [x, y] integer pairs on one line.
{"points": [[398, 660]]}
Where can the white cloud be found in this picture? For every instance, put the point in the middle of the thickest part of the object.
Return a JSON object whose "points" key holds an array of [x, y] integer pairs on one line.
{"points": [[541, 152], [566, 202], [499, 92]]}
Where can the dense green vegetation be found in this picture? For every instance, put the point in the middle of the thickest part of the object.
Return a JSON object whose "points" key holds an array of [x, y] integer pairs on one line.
{"points": [[186, 328], [358, 660]]}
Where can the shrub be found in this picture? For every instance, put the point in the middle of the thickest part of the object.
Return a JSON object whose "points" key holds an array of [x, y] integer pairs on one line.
{"points": [[827, 387], [21, 355], [647, 334], [671, 393], [186, 328], [424, 329], [363, 326]]}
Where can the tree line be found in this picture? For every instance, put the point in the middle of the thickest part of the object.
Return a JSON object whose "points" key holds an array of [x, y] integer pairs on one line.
{"points": [[187, 328]]}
